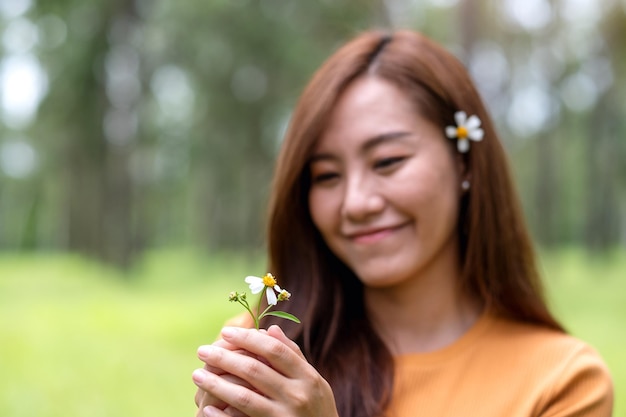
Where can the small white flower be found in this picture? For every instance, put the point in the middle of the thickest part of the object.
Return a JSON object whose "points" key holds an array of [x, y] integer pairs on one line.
{"points": [[268, 282], [273, 293], [284, 295], [466, 128]]}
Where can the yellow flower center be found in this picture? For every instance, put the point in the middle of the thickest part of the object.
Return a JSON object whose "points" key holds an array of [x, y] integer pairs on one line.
{"points": [[461, 132], [269, 280]]}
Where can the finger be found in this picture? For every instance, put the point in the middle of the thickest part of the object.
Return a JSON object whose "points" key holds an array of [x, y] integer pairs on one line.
{"points": [[211, 412], [236, 380], [256, 373], [222, 344], [233, 412], [198, 397], [281, 357], [277, 333], [203, 398], [203, 354], [241, 398]]}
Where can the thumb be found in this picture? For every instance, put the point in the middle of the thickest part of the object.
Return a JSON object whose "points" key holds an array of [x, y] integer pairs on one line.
{"points": [[277, 333]]}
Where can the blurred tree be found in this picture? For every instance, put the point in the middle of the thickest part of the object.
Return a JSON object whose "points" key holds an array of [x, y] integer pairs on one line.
{"points": [[161, 119], [248, 63], [605, 220], [85, 117]]}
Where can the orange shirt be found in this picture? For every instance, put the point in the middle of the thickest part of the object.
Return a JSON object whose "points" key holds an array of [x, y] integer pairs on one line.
{"points": [[501, 368]]}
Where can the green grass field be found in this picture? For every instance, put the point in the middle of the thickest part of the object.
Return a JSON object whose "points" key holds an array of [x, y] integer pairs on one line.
{"points": [[78, 339]]}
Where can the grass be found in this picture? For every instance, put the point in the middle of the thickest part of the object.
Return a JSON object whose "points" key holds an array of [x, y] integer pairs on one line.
{"points": [[79, 339], [588, 294]]}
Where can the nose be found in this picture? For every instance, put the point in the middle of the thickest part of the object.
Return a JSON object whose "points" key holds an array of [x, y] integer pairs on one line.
{"points": [[362, 199]]}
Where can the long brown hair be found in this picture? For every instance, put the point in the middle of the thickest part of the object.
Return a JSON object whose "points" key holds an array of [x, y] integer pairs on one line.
{"points": [[498, 264]]}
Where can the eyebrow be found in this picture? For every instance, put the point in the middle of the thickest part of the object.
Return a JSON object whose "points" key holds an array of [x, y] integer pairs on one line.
{"points": [[385, 137], [368, 145]]}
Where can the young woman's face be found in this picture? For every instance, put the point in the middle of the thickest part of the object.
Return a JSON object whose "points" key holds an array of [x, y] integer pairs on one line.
{"points": [[385, 186]]}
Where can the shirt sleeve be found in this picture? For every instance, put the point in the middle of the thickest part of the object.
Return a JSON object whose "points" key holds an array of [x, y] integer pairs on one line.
{"points": [[584, 388]]}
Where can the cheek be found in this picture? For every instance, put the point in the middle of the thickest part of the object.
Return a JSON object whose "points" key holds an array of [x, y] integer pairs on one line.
{"points": [[427, 192], [426, 182], [320, 207], [443, 202], [443, 196]]}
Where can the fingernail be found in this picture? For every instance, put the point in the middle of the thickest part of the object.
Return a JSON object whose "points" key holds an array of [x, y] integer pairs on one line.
{"points": [[208, 411], [205, 351], [277, 327], [229, 331], [198, 376]]}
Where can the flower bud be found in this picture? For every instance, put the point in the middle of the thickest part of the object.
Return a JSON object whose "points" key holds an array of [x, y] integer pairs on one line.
{"points": [[284, 295]]}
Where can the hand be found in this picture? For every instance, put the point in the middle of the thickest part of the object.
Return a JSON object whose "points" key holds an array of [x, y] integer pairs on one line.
{"points": [[204, 399], [279, 382]]}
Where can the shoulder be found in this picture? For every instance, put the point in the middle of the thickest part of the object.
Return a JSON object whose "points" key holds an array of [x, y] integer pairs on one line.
{"points": [[539, 343], [572, 376]]}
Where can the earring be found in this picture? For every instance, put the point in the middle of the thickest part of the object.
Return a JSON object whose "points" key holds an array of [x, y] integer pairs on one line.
{"points": [[465, 185]]}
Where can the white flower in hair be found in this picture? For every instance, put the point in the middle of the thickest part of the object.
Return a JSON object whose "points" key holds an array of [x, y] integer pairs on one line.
{"points": [[466, 128]]}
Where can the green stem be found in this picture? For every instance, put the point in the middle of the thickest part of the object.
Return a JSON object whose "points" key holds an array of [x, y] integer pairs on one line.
{"points": [[265, 311], [247, 307], [258, 306], [259, 315]]}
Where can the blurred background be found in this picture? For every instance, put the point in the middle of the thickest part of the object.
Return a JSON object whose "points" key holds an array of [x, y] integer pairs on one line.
{"points": [[137, 140]]}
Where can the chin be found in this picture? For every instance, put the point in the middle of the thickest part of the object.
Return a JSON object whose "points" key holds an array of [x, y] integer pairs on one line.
{"points": [[380, 277]]}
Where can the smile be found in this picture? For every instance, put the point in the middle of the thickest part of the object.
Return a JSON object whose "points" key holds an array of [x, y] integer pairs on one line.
{"points": [[370, 236]]}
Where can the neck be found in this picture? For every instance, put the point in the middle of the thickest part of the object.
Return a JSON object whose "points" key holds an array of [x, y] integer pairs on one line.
{"points": [[422, 314]]}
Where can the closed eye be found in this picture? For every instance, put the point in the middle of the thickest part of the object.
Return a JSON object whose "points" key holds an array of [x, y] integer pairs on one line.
{"points": [[384, 163], [324, 178]]}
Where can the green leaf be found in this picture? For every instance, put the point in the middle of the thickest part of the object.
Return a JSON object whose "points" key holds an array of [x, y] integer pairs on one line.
{"points": [[283, 315]]}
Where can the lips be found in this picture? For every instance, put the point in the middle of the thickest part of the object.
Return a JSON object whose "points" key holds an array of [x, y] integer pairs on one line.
{"points": [[373, 235]]}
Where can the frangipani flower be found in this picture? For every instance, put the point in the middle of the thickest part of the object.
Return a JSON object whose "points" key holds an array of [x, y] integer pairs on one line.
{"points": [[268, 282], [466, 128], [257, 285]]}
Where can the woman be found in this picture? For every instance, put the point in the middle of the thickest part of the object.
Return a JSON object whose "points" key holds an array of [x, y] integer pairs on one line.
{"points": [[395, 225]]}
